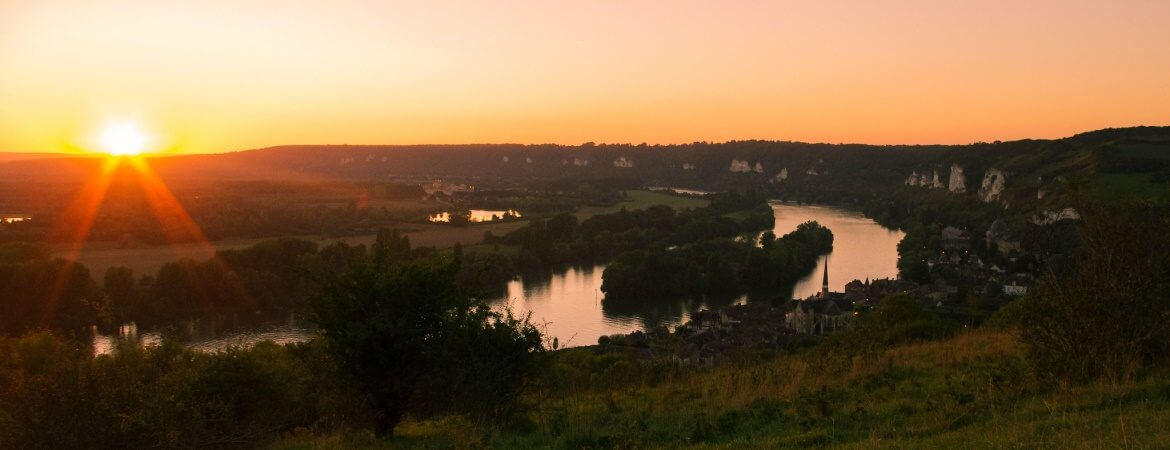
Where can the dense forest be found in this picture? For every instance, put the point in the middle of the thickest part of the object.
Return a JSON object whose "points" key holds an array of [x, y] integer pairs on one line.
{"points": [[717, 266]]}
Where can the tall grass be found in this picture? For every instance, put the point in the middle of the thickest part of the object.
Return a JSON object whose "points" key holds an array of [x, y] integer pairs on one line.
{"points": [[973, 390]]}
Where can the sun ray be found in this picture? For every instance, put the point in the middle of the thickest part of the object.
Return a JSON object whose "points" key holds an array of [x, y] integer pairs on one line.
{"points": [[75, 224], [73, 227], [177, 224]]}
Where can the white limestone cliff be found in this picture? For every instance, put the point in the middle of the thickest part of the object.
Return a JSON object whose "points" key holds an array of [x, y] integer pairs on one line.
{"points": [[936, 183], [992, 186], [957, 183], [1050, 217]]}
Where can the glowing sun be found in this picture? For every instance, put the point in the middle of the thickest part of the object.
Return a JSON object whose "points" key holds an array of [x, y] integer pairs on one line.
{"points": [[123, 138]]}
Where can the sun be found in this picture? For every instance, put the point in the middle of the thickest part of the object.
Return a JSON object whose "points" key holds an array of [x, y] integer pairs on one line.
{"points": [[123, 139]]}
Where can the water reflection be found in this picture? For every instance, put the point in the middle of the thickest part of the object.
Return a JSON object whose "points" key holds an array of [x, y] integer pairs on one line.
{"points": [[477, 215], [681, 190], [861, 248], [210, 334]]}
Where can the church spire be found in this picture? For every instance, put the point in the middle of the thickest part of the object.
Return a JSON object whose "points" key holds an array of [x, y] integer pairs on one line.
{"points": [[825, 286]]}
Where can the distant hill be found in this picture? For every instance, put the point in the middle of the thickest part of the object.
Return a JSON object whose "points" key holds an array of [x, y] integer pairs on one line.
{"points": [[1121, 161], [13, 156]]}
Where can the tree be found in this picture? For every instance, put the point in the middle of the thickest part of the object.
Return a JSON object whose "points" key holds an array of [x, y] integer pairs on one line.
{"points": [[1110, 316], [121, 293], [415, 342], [44, 294]]}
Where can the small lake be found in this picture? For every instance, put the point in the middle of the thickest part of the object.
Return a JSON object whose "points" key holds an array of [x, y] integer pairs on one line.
{"points": [[568, 305], [476, 215], [681, 190]]}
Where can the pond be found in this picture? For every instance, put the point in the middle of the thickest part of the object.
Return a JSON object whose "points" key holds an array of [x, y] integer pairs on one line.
{"points": [[477, 215], [569, 306], [681, 190]]}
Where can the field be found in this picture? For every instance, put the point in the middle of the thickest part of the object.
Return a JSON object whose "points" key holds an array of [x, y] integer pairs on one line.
{"points": [[641, 200], [972, 391], [146, 260], [1112, 186], [1140, 170]]}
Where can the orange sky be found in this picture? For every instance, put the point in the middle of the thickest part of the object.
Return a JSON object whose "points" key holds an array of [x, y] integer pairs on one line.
{"points": [[218, 76]]}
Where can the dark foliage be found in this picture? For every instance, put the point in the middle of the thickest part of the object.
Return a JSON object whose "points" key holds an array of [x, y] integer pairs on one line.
{"points": [[717, 266], [38, 293], [416, 343], [1109, 317], [55, 396]]}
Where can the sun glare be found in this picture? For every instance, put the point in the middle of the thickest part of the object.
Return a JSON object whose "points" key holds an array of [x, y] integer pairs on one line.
{"points": [[123, 138]]}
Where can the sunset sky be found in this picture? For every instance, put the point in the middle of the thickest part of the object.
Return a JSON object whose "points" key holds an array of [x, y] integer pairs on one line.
{"points": [[207, 76]]}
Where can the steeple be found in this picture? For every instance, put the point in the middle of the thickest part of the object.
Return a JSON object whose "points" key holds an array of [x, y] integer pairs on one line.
{"points": [[825, 286]]}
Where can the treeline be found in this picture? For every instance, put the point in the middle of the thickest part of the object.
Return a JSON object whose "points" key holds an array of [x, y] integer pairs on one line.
{"points": [[271, 277], [37, 292], [717, 266], [537, 198], [222, 209], [562, 240], [398, 337]]}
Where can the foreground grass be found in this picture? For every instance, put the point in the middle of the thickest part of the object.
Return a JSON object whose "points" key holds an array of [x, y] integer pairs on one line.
{"points": [[971, 391]]}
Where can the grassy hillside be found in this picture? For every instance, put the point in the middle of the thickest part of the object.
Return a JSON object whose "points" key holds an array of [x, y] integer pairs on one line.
{"points": [[974, 390], [1134, 167]]}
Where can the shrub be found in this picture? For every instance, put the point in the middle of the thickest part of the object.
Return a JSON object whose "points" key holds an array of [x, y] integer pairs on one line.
{"points": [[416, 343], [1111, 316], [53, 394], [898, 319]]}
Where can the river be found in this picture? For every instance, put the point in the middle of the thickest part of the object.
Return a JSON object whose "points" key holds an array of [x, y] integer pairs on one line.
{"points": [[569, 305]]}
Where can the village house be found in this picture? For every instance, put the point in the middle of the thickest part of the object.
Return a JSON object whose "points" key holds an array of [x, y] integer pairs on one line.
{"points": [[998, 236], [955, 239]]}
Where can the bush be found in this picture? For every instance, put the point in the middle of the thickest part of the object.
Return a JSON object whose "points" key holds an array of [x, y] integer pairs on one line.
{"points": [[416, 343], [898, 319], [53, 394], [1111, 316]]}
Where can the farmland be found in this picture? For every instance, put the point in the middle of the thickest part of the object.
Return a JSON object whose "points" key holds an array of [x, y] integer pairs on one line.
{"points": [[145, 259]]}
